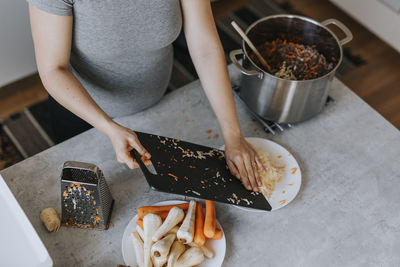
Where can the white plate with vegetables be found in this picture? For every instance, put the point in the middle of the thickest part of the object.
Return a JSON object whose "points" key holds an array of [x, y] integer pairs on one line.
{"points": [[217, 247], [284, 188]]}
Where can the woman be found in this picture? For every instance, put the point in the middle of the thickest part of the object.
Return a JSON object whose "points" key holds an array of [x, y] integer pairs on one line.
{"points": [[109, 58]]}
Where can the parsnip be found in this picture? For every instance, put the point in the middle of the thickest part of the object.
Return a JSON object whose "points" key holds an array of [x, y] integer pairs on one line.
{"points": [[138, 245], [160, 261], [191, 257], [176, 250], [174, 230], [186, 231], [139, 230], [175, 215], [209, 253], [151, 222], [161, 248]]}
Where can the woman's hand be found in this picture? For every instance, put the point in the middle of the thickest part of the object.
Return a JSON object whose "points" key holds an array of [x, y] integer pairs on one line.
{"points": [[244, 162], [208, 57], [124, 140]]}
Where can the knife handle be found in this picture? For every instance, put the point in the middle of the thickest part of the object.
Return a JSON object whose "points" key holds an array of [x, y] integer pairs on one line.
{"points": [[149, 176]]}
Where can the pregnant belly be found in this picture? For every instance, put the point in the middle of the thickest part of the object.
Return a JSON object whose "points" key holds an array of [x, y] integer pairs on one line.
{"points": [[128, 85]]}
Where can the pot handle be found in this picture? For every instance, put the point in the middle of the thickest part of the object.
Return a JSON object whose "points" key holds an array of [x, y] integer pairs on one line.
{"points": [[233, 56], [346, 31]]}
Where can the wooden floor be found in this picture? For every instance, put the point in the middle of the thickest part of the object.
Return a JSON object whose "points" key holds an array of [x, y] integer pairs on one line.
{"points": [[20, 95], [377, 81]]}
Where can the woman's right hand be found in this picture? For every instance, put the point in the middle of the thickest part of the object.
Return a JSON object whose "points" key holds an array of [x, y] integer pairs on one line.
{"points": [[124, 140]]}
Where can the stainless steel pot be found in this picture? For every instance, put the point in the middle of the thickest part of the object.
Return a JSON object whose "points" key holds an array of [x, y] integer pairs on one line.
{"points": [[282, 100]]}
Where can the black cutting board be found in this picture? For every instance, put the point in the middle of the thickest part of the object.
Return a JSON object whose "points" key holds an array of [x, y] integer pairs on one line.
{"points": [[188, 169]]}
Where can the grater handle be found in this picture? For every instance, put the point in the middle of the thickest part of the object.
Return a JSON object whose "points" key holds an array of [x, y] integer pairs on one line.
{"points": [[81, 166], [149, 176]]}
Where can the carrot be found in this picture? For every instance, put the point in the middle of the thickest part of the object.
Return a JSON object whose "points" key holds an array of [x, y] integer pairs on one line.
{"points": [[210, 220], [199, 237], [142, 211], [218, 234], [172, 175]]}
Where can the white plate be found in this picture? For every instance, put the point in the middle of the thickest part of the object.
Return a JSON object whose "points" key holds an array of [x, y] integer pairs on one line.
{"points": [[287, 189], [128, 251]]}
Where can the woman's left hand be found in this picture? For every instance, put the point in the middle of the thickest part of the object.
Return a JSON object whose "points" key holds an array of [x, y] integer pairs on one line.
{"points": [[208, 57], [244, 162]]}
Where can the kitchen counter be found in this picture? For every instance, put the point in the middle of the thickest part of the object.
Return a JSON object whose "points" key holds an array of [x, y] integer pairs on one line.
{"points": [[346, 213]]}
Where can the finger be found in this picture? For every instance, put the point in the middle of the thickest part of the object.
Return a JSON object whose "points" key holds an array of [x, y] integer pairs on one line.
{"points": [[134, 142], [233, 169], [260, 167], [126, 158], [250, 173], [255, 169], [135, 164], [132, 164], [260, 164], [145, 160], [243, 173]]}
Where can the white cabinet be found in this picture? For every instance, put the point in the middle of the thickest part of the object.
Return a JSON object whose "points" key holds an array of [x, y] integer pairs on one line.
{"points": [[20, 245], [16, 47], [380, 16]]}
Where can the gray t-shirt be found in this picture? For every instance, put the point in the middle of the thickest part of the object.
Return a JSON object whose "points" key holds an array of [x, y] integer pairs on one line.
{"points": [[121, 49]]}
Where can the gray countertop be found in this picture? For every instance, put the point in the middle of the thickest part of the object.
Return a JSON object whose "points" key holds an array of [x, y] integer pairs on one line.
{"points": [[346, 213]]}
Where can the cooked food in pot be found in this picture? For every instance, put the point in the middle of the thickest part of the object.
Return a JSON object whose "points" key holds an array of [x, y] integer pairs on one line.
{"points": [[293, 61]]}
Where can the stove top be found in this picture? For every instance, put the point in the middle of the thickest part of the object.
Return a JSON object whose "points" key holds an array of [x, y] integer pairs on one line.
{"points": [[270, 126]]}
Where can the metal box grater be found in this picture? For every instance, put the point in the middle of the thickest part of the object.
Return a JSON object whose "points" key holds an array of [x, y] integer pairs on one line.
{"points": [[86, 200]]}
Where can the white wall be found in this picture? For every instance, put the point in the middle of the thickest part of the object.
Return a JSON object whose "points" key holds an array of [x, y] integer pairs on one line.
{"points": [[381, 17], [16, 47]]}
